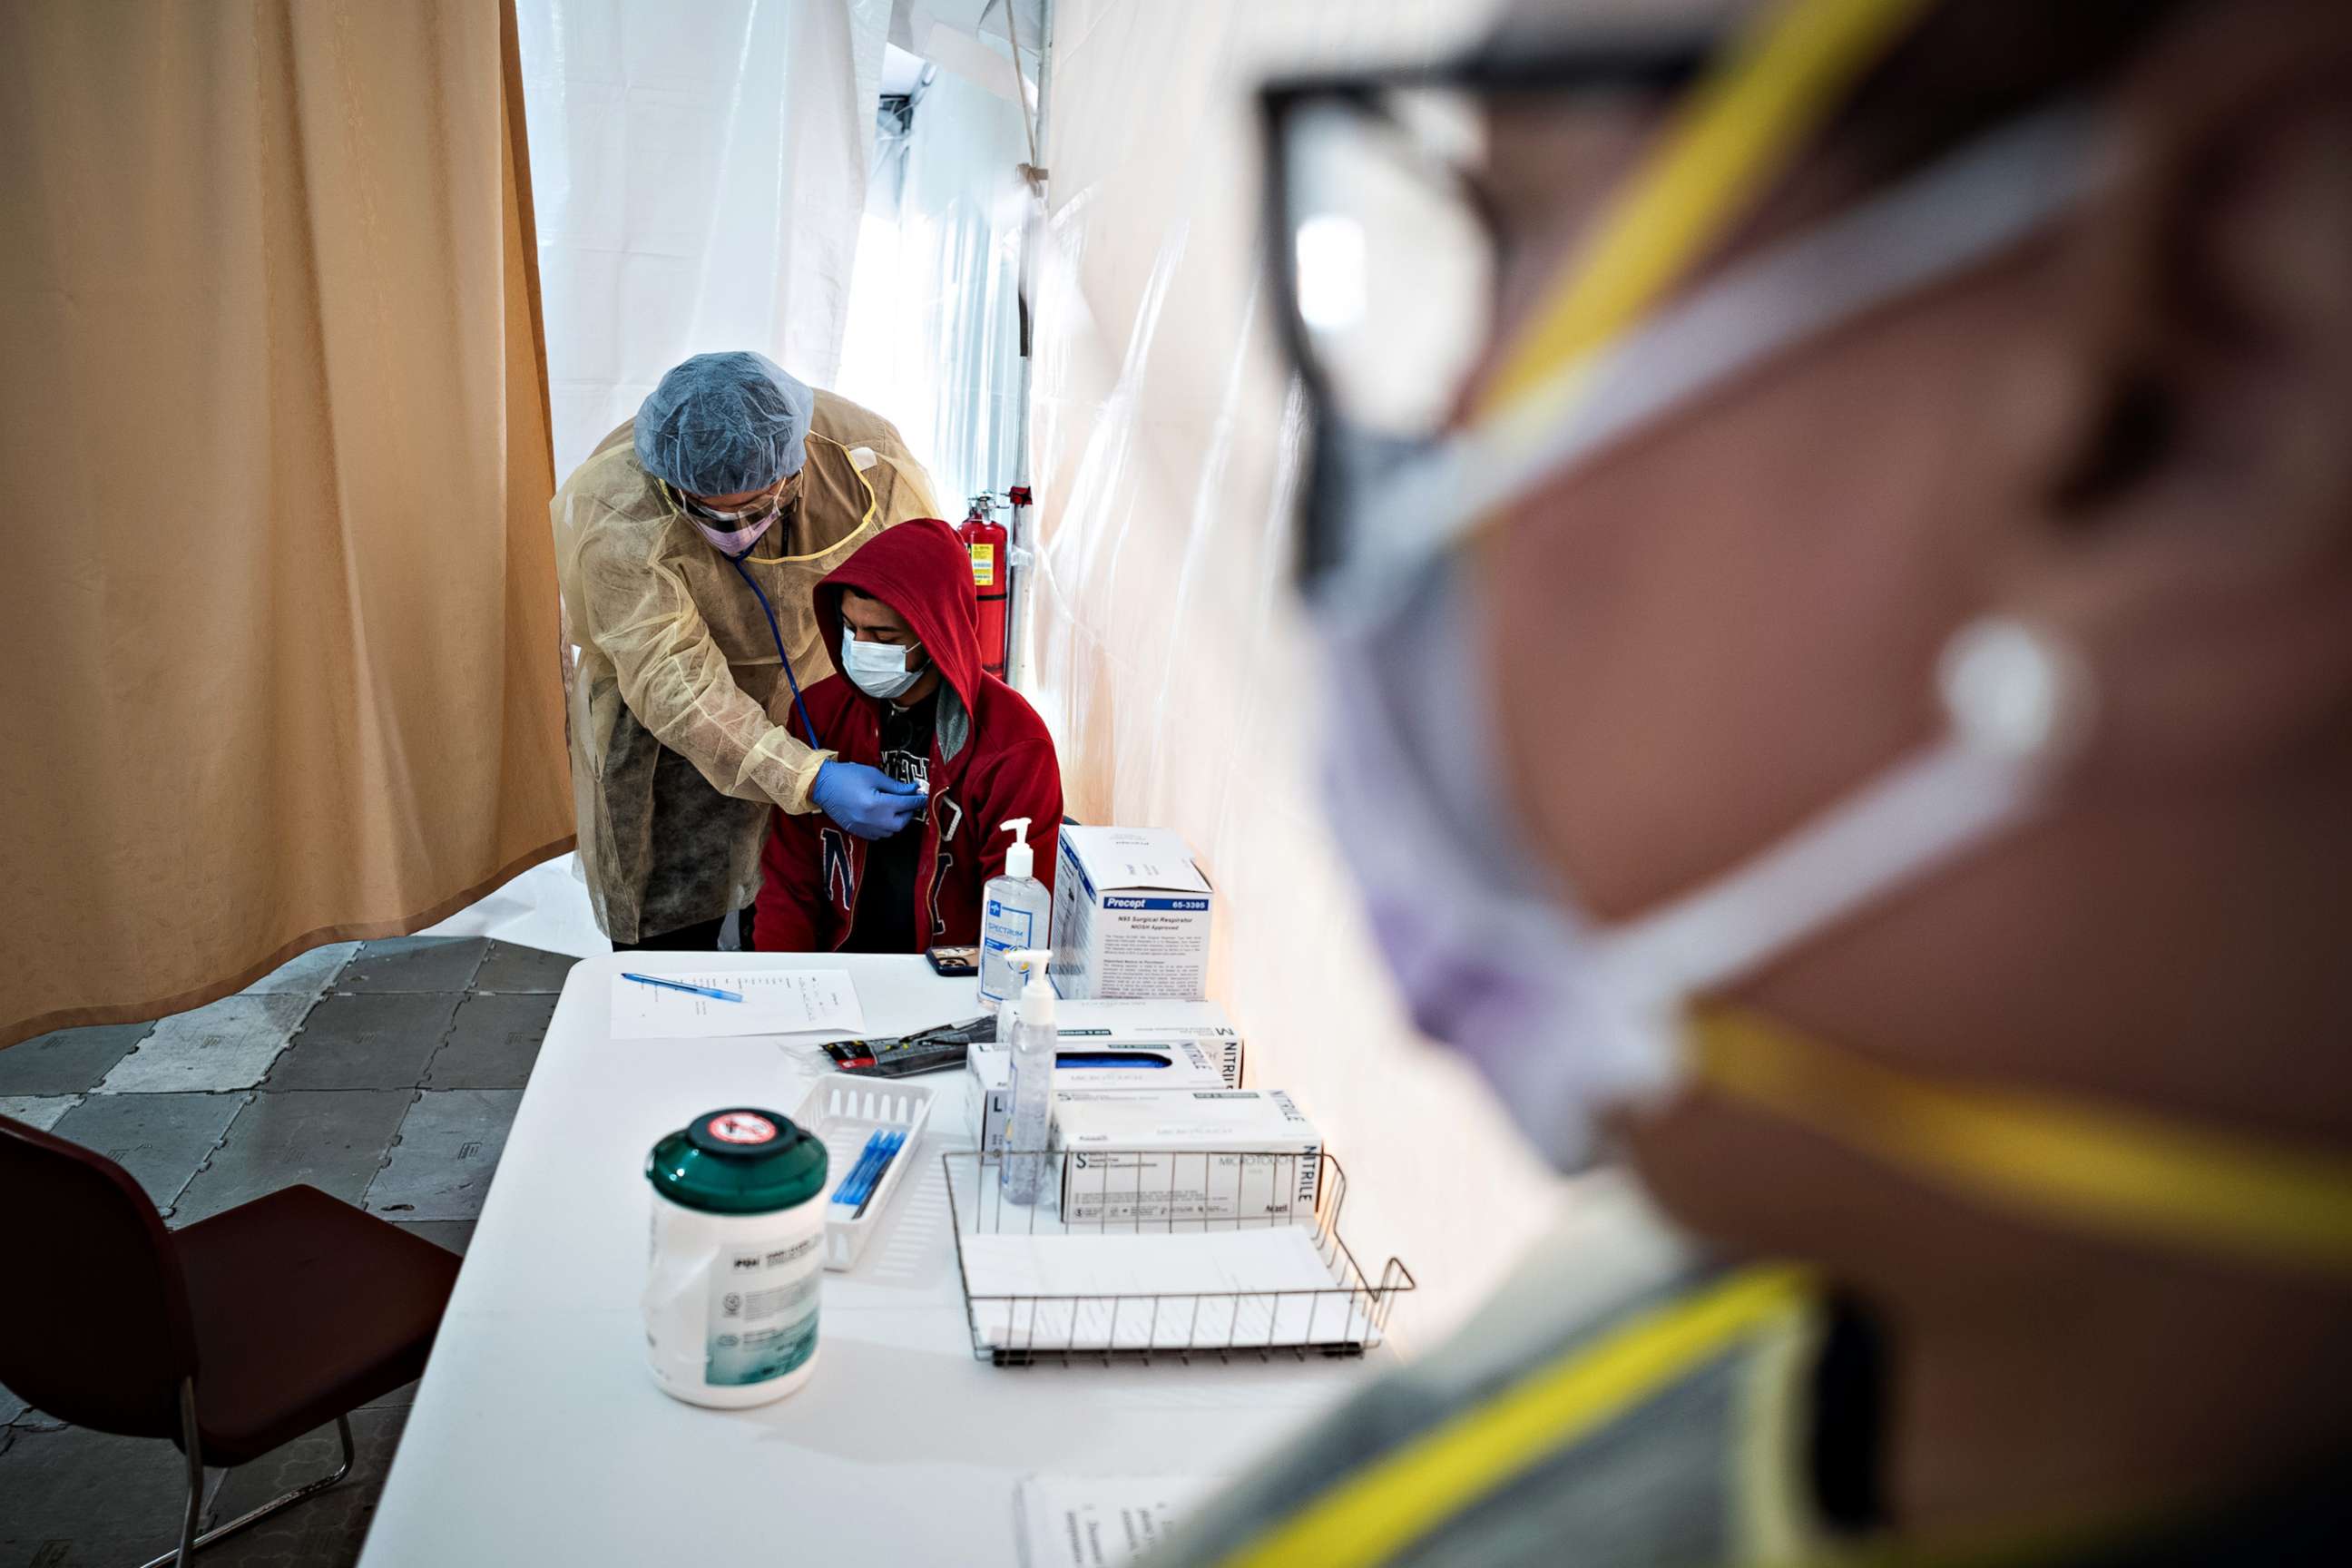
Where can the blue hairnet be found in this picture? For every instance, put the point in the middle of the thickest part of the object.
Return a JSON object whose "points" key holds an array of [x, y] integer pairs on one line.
{"points": [[721, 423]]}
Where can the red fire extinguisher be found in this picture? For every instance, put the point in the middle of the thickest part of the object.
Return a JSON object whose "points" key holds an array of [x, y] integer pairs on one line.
{"points": [[986, 539]]}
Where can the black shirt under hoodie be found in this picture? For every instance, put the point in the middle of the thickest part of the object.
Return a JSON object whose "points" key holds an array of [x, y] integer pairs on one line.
{"points": [[886, 904]]}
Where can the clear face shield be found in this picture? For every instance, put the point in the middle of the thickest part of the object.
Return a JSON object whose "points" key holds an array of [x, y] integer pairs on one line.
{"points": [[1389, 239], [1393, 239], [1463, 345]]}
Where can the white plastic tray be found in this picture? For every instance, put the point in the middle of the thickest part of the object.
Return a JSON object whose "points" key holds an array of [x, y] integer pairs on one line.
{"points": [[845, 1110]]}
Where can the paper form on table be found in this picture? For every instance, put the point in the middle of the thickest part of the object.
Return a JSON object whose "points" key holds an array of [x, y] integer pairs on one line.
{"points": [[1079, 1522], [775, 1001]]}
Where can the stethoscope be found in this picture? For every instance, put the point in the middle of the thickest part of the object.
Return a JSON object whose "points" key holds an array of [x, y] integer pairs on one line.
{"points": [[767, 610]]}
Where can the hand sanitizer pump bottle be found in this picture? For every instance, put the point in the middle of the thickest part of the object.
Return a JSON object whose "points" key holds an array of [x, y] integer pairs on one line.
{"points": [[1034, 1046], [1016, 913]]}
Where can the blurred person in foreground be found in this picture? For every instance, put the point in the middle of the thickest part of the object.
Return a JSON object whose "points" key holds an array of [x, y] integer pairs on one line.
{"points": [[910, 698], [686, 547], [1840, 597]]}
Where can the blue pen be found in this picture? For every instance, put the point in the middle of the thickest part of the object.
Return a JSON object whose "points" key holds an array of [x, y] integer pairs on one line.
{"points": [[885, 1145], [865, 1177], [846, 1193], [712, 992], [873, 1182], [848, 1182]]}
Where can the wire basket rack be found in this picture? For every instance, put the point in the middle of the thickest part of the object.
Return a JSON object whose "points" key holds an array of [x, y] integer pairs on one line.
{"points": [[1283, 1283]]}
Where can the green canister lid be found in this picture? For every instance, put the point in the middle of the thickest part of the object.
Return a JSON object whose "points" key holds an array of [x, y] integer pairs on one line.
{"points": [[740, 1161]]}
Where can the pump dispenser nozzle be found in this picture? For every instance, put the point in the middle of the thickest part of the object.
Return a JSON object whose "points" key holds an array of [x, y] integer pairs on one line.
{"points": [[1038, 995], [1019, 858]]}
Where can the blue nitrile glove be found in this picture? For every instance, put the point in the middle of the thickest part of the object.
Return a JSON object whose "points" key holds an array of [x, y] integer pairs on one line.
{"points": [[866, 801]]}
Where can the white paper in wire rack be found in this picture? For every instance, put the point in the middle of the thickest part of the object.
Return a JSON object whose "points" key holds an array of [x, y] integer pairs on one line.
{"points": [[1241, 1289], [1085, 1522]]}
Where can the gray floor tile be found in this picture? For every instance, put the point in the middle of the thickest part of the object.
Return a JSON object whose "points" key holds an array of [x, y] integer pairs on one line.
{"points": [[29, 1419], [67, 1061], [492, 1043], [308, 973], [332, 1139], [40, 1110], [449, 1146], [510, 968], [160, 1139], [229, 1045], [379, 1040], [413, 964], [323, 1531], [449, 1234], [73, 1497]]}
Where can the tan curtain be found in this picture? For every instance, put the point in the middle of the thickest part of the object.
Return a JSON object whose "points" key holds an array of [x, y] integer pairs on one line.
{"points": [[277, 634]]}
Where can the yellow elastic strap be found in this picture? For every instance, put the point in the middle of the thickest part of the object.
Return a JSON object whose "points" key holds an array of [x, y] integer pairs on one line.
{"points": [[1741, 128], [2107, 1170], [1374, 1512], [873, 505]]}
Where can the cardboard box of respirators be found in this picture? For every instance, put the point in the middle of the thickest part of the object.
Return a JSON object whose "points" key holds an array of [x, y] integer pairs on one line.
{"points": [[1131, 915]]}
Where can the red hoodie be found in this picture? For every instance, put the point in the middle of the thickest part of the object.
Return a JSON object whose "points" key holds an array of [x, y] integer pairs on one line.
{"points": [[1002, 764]]}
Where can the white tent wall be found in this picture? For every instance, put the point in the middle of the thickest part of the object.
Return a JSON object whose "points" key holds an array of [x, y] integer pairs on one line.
{"points": [[1167, 651], [933, 340], [699, 170]]}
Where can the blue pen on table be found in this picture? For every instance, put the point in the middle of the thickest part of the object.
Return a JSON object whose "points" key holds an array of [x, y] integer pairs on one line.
{"points": [[844, 1193], [712, 992], [874, 1184], [895, 1141], [859, 1184], [865, 1178]]}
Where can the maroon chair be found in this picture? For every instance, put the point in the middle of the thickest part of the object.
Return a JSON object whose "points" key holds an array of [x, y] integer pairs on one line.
{"points": [[231, 1337]]}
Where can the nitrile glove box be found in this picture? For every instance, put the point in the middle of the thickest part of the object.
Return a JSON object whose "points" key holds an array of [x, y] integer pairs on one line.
{"points": [[1131, 915], [1138, 1024], [1186, 1155], [1179, 1064]]}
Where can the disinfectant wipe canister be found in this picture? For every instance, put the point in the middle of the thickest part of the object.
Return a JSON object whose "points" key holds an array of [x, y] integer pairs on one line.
{"points": [[738, 1257]]}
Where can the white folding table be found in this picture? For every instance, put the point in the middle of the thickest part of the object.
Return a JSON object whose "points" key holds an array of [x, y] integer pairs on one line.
{"points": [[540, 1436]]}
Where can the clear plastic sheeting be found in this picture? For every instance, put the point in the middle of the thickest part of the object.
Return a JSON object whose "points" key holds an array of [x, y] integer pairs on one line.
{"points": [[1168, 652], [700, 172], [546, 907], [934, 337]]}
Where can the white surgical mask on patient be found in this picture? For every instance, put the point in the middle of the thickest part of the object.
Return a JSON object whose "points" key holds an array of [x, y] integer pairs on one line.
{"points": [[878, 669]]}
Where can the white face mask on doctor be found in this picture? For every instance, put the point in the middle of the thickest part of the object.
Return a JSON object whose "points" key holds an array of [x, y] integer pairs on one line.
{"points": [[878, 669]]}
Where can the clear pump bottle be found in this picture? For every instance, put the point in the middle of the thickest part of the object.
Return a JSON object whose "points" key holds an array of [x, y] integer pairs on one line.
{"points": [[1016, 914], [1036, 1045]]}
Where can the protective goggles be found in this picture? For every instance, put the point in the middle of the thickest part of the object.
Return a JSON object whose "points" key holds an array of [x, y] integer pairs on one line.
{"points": [[756, 514], [1676, 179]]}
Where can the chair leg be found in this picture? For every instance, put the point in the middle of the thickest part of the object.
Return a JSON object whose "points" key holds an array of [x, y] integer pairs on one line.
{"points": [[190, 1542], [193, 1448]]}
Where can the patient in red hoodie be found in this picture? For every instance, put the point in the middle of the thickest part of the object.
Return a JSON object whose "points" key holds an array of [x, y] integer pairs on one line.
{"points": [[910, 698]]}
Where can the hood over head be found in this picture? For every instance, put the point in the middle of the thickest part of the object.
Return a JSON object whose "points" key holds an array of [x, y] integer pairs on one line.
{"points": [[922, 571]]}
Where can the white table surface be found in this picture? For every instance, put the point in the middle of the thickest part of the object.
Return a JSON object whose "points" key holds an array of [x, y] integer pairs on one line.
{"points": [[538, 1435]]}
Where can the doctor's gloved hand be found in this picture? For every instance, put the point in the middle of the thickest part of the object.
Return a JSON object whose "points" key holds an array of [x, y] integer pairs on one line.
{"points": [[866, 801]]}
